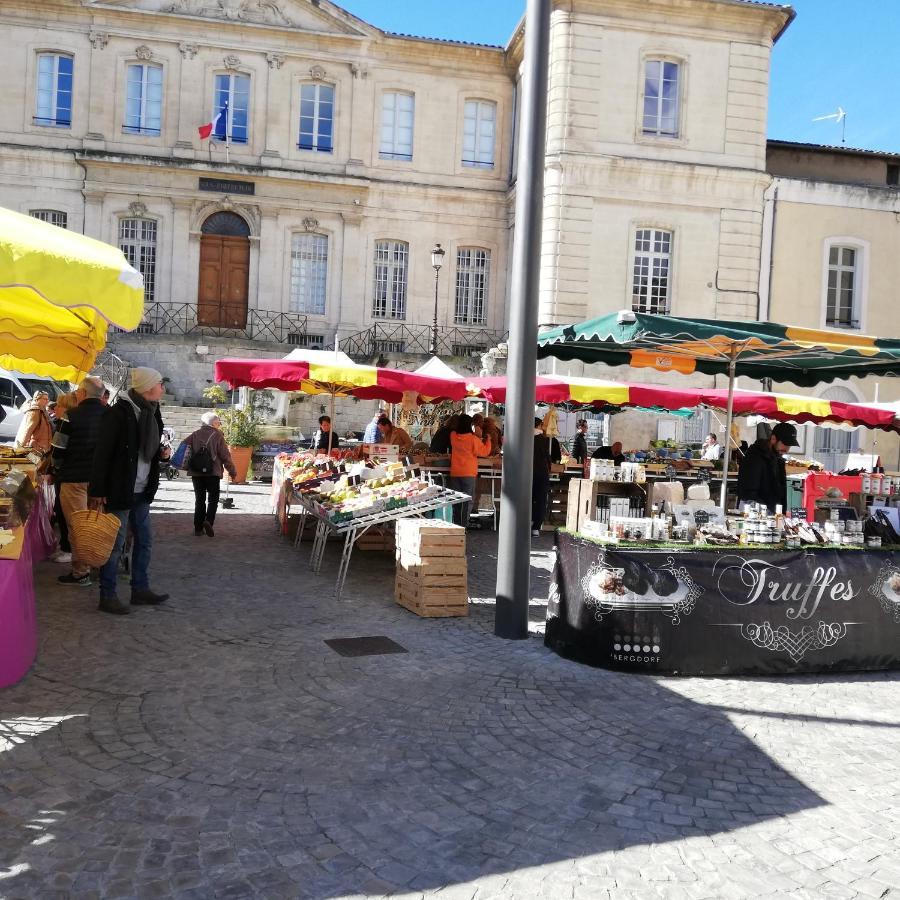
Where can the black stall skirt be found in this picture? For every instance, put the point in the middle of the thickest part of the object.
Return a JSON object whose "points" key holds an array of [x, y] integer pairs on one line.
{"points": [[724, 611]]}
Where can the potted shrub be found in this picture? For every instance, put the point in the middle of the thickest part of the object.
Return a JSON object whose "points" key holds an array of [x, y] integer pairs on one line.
{"points": [[242, 432]]}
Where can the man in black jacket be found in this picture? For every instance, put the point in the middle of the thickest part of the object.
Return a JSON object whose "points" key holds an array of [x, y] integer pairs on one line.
{"points": [[762, 477], [579, 445], [546, 452], [72, 460], [124, 480]]}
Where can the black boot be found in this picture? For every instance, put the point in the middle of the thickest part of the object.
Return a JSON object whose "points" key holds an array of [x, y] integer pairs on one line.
{"points": [[113, 605], [147, 598]]}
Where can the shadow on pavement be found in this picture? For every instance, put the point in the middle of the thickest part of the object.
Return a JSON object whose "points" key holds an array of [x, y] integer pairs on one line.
{"points": [[217, 746]]}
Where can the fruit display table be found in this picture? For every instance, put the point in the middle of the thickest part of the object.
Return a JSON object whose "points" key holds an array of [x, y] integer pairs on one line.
{"points": [[741, 610]]}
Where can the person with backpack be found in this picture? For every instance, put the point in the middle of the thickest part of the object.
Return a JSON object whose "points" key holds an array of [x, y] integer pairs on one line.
{"points": [[207, 456]]}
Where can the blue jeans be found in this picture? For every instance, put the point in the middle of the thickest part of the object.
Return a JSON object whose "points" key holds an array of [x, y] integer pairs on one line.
{"points": [[139, 519], [461, 510]]}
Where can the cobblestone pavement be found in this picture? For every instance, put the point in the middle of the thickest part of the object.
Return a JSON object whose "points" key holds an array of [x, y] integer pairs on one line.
{"points": [[217, 747]]}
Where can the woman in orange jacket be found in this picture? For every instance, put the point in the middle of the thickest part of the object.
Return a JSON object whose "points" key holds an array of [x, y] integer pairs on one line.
{"points": [[466, 447]]}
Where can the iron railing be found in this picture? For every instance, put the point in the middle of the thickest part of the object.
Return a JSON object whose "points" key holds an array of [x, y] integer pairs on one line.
{"points": [[259, 324], [452, 341]]}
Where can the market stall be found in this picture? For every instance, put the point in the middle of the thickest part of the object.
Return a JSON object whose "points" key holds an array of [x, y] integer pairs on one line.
{"points": [[760, 350], [345, 499], [734, 610], [59, 292], [711, 594]]}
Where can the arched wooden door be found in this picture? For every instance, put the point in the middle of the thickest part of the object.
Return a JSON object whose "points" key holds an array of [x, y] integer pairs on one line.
{"points": [[224, 271]]}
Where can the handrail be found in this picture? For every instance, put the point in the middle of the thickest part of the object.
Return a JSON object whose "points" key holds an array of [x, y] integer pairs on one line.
{"points": [[259, 324], [402, 338]]}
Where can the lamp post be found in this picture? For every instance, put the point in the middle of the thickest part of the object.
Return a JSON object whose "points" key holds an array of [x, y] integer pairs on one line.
{"points": [[437, 260]]}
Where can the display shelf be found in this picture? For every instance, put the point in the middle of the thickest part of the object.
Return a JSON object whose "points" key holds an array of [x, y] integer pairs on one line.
{"points": [[352, 529]]}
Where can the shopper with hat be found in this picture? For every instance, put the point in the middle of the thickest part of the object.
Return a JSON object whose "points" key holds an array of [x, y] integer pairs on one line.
{"points": [[124, 481], [762, 477]]}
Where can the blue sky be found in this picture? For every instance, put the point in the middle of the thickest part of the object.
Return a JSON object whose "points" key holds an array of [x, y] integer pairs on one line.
{"points": [[836, 53]]}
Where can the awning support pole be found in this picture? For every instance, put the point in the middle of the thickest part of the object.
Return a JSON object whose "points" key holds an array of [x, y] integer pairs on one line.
{"points": [[729, 418], [514, 544]]}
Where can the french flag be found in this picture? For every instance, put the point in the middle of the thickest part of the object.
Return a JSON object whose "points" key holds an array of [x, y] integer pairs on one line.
{"points": [[218, 124]]}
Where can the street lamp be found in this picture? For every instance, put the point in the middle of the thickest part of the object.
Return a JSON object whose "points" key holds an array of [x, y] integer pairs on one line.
{"points": [[437, 260]]}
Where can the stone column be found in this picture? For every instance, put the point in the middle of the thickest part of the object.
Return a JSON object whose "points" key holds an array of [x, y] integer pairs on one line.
{"points": [[182, 283], [100, 77], [278, 107], [93, 217], [271, 258], [347, 310], [190, 114]]}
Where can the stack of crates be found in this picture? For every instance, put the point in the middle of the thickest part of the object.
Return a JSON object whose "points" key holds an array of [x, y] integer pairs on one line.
{"points": [[432, 571]]}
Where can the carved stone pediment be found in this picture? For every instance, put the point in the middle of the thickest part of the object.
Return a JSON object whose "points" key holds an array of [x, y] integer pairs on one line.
{"points": [[295, 14]]}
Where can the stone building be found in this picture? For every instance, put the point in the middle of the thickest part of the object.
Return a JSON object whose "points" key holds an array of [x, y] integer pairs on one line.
{"points": [[338, 156], [832, 260]]}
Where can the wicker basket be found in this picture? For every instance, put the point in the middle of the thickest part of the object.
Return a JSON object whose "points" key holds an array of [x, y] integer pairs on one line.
{"points": [[93, 535]]}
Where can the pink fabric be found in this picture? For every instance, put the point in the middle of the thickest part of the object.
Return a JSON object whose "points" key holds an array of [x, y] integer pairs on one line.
{"points": [[18, 625]]}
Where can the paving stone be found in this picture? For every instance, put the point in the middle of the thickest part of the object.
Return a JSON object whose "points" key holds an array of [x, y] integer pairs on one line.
{"points": [[217, 748]]}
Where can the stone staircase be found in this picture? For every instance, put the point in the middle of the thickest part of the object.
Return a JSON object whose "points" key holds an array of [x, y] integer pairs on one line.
{"points": [[182, 419]]}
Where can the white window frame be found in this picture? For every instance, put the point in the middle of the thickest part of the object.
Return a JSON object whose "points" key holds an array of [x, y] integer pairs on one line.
{"points": [[229, 120], [309, 282], [652, 256], [141, 251], [656, 133], [317, 87], [146, 103], [52, 120], [392, 149], [389, 274], [860, 285], [471, 155], [472, 285], [57, 217]]}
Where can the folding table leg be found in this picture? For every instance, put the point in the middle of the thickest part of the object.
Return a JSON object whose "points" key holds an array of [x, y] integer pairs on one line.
{"points": [[299, 536], [315, 561], [347, 553]]}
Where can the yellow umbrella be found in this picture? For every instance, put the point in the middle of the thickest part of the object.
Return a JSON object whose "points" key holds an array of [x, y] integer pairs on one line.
{"points": [[58, 293]]}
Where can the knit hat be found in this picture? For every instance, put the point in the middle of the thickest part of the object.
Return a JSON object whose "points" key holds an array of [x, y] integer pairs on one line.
{"points": [[144, 379]]}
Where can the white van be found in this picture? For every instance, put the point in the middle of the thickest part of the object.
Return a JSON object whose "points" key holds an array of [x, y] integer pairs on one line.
{"points": [[15, 390]]}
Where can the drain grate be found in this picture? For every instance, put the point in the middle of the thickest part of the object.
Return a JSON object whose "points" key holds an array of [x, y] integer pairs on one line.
{"points": [[377, 645]]}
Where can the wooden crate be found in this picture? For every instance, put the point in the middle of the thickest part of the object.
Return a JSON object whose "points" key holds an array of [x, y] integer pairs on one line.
{"points": [[423, 539], [377, 539], [430, 601], [440, 569], [582, 502]]}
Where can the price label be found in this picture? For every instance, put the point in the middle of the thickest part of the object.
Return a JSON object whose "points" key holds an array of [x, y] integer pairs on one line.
{"points": [[701, 518], [671, 471], [704, 476], [798, 513]]}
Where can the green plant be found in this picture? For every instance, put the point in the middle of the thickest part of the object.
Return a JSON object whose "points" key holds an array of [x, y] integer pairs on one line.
{"points": [[241, 428], [215, 393]]}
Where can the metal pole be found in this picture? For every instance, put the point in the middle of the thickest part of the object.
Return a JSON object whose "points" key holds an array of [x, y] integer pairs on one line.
{"points": [[514, 545], [434, 325], [729, 417]]}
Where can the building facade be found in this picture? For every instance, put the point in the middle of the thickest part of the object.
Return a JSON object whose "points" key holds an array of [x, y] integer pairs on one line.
{"points": [[338, 155], [832, 260]]}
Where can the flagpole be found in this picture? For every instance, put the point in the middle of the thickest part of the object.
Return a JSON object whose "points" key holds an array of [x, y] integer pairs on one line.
{"points": [[227, 135]]}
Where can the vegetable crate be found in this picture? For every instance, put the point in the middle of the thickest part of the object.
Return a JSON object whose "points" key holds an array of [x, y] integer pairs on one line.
{"points": [[377, 538], [432, 570]]}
